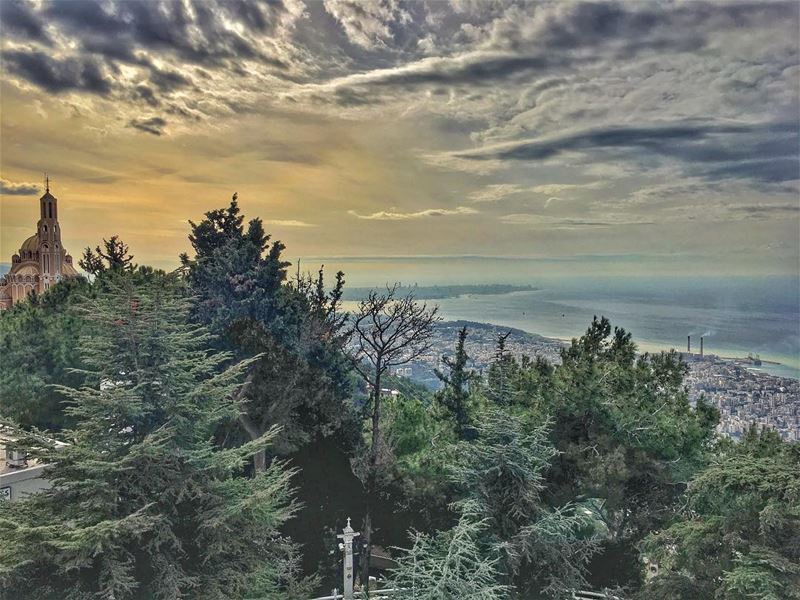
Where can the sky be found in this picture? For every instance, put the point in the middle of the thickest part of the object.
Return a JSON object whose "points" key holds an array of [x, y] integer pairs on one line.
{"points": [[635, 137]]}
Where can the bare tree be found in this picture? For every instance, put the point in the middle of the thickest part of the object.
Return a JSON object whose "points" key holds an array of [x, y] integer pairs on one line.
{"points": [[388, 331]]}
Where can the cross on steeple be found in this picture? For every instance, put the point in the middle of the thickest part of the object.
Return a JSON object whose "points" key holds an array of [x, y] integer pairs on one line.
{"points": [[46, 183]]}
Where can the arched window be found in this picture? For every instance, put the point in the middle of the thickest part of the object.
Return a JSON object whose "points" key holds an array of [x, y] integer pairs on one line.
{"points": [[50, 209], [44, 228]]}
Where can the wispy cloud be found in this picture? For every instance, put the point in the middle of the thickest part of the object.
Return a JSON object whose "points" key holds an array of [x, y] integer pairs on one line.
{"points": [[590, 221], [392, 215], [496, 192], [289, 223], [499, 191], [153, 126], [11, 188]]}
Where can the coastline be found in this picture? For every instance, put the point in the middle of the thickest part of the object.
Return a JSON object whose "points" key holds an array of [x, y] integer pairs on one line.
{"points": [[771, 368]]}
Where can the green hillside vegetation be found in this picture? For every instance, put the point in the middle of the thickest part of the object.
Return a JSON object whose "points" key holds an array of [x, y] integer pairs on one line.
{"points": [[222, 420]]}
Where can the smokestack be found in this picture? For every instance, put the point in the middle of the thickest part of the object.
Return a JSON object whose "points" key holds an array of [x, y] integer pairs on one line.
{"points": [[689, 344], [701, 345]]}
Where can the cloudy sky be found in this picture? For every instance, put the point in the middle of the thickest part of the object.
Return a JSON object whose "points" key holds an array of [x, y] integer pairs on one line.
{"points": [[662, 131]]}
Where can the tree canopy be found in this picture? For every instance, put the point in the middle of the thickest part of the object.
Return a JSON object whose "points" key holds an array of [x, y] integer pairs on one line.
{"points": [[142, 503], [738, 536]]}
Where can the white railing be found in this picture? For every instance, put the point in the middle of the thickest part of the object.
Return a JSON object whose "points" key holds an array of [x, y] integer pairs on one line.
{"points": [[347, 537], [372, 594], [579, 595]]}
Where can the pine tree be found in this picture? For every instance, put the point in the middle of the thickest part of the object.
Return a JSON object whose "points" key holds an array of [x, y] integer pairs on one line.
{"points": [[499, 379], [239, 280], [142, 504], [448, 564], [114, 258], [501, 477], [455, 395], [738, 536], [37, 341]]}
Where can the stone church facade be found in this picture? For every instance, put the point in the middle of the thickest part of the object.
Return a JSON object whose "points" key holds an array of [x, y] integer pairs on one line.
{"points": [[41, 261]]}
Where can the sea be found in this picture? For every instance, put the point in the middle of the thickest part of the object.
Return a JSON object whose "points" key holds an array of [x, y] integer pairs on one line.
{"points": [[736, 316]]}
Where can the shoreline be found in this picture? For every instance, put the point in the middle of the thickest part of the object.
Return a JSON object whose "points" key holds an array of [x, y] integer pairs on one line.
{"points": [[742, 362]]}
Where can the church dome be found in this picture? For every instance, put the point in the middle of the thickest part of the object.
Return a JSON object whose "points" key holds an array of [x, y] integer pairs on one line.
{"points": [[27, 270], [31, 244]]}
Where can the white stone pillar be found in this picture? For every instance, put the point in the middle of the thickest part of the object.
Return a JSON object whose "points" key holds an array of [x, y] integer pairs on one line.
{"points": [[347, 536]]}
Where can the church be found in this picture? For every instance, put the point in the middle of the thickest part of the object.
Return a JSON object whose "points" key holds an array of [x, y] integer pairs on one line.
{"points": [[41, 261]]}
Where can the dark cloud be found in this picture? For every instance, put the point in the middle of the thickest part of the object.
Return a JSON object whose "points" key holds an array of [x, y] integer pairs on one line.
{"points": [[10, 188], [478, 68], [767, 152], [167, 81], [630, 137], [145, 93], [19, 18], [640, 26], [195, 32], [104, 34], [551, 39], [58, 74], [765, 170], [153, 125], [765, 211]]}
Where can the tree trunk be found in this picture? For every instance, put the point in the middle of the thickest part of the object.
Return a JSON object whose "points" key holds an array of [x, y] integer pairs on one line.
{"points": [[371, 477], [260, 457], [376, 417], [367, 540]]}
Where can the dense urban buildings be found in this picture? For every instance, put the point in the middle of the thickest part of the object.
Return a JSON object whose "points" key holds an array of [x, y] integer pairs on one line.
{"points": [[743, 395]]}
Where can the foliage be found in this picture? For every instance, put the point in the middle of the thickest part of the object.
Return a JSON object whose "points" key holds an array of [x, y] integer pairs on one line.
{"points": [[142, 504], [455, 393], [38, 338], [524, 385], [500, 476], [239, 279], [387, 331], [625, 429], [113, 256], [739, 534], [449, 564], [423, 448]]}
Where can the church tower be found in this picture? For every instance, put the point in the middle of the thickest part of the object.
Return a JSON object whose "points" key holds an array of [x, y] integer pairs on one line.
{"points": [[41, 261], [50, 251]]}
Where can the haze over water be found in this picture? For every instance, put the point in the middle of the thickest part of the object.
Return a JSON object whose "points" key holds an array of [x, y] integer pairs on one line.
{"points": [[737, 314]]}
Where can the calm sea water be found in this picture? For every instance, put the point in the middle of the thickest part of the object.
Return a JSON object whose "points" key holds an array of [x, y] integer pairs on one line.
{"points": [[737, 315]]}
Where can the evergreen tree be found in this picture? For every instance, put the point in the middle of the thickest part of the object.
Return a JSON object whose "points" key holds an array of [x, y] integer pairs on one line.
{"points": [[142, 504], [448, 564], [738, 536], [239, 280], [501, 477], [626, 432], [455, 395], [37, 338], [499, 379], [113, 256]]}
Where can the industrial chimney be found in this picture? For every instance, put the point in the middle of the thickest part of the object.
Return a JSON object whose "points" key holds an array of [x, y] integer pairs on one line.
{"points": [[701, 345], [689, 344]]}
